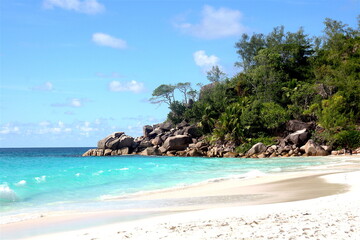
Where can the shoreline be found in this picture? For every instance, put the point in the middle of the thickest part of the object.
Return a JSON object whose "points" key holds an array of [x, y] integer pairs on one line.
{"points": [[284, 188]]}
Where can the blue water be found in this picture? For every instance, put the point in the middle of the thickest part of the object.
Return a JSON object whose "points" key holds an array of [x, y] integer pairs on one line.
{"points": [[55, 178]]}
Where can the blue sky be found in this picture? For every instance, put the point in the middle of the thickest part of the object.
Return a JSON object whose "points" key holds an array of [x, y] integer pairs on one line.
{"points": [[74, 71]]}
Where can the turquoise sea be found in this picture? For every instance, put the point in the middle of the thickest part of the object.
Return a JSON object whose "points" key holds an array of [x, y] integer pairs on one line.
{"points": [[50, 179]]}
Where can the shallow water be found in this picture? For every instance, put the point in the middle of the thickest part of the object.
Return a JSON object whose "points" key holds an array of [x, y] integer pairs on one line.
{"points": [[50, 179]]}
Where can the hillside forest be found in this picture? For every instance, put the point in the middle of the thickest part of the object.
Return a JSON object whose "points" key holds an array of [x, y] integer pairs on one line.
{"points": [[282, 76]]}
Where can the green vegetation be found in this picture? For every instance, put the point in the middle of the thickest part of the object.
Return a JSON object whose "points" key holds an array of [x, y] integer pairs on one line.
{"points": [[282, 76]]}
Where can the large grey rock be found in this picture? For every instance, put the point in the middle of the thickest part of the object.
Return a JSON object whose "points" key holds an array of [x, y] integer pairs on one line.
{"points": [[194, 153], [282, 142], [183, 124], [99, 152], [145, 143], [123, 151], [200, 144], [179, 142], [299, 137], [115, 141], [107, 152], [257, 149], [179, 132], [193, 131], [111, 139], [112, 143], [166, 126], [164, 137], [89, 153], [146, 130], [280, 150], [296, 125], [155, 132], [125, 141], [313, 149], [157, 141], [192, 145], [150, 151], [327, 148], [135, 145], [270, 150], [162, 149]]}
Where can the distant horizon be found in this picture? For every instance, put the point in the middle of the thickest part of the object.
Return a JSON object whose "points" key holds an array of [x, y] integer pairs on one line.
{"points": [[74, 72]]}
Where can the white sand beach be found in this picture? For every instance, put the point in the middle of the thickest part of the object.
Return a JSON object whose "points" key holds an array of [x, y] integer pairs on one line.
{"points": [[319, 203]]}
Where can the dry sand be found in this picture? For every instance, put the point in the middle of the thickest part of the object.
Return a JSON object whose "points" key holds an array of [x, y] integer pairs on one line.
{"points": [[322, 203]]}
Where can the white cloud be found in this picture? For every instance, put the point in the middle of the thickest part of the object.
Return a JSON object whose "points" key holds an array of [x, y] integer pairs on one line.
{"points": [[103, 39], [44, 124], [46, 127], [73, 102], [215, 23], [203, 60], [132, 86], [58, 133], [47, 86], [85, 128], [85, 6], [61, 124], [9, 128]]}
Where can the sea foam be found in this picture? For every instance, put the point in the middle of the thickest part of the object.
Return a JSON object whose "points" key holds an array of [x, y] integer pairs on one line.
{"points": [[98, 173], [254, 174]]}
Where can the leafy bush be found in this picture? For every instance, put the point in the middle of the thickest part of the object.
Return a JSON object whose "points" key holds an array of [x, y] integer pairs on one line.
{"points": [[177, 111], [228, 126], [272, 115], [349, 139], [335, 114], [325, 137]]}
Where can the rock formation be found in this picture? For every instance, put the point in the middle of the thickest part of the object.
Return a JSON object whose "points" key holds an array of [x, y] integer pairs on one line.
{"points": [[185, 139]]}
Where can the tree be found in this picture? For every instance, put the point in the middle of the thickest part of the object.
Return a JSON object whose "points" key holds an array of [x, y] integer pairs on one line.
{"points": [[193, 94], [337, 65], [248, 48], [276, 38], [163, 94], [266, 77], [215, 75], [184, 88]]}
